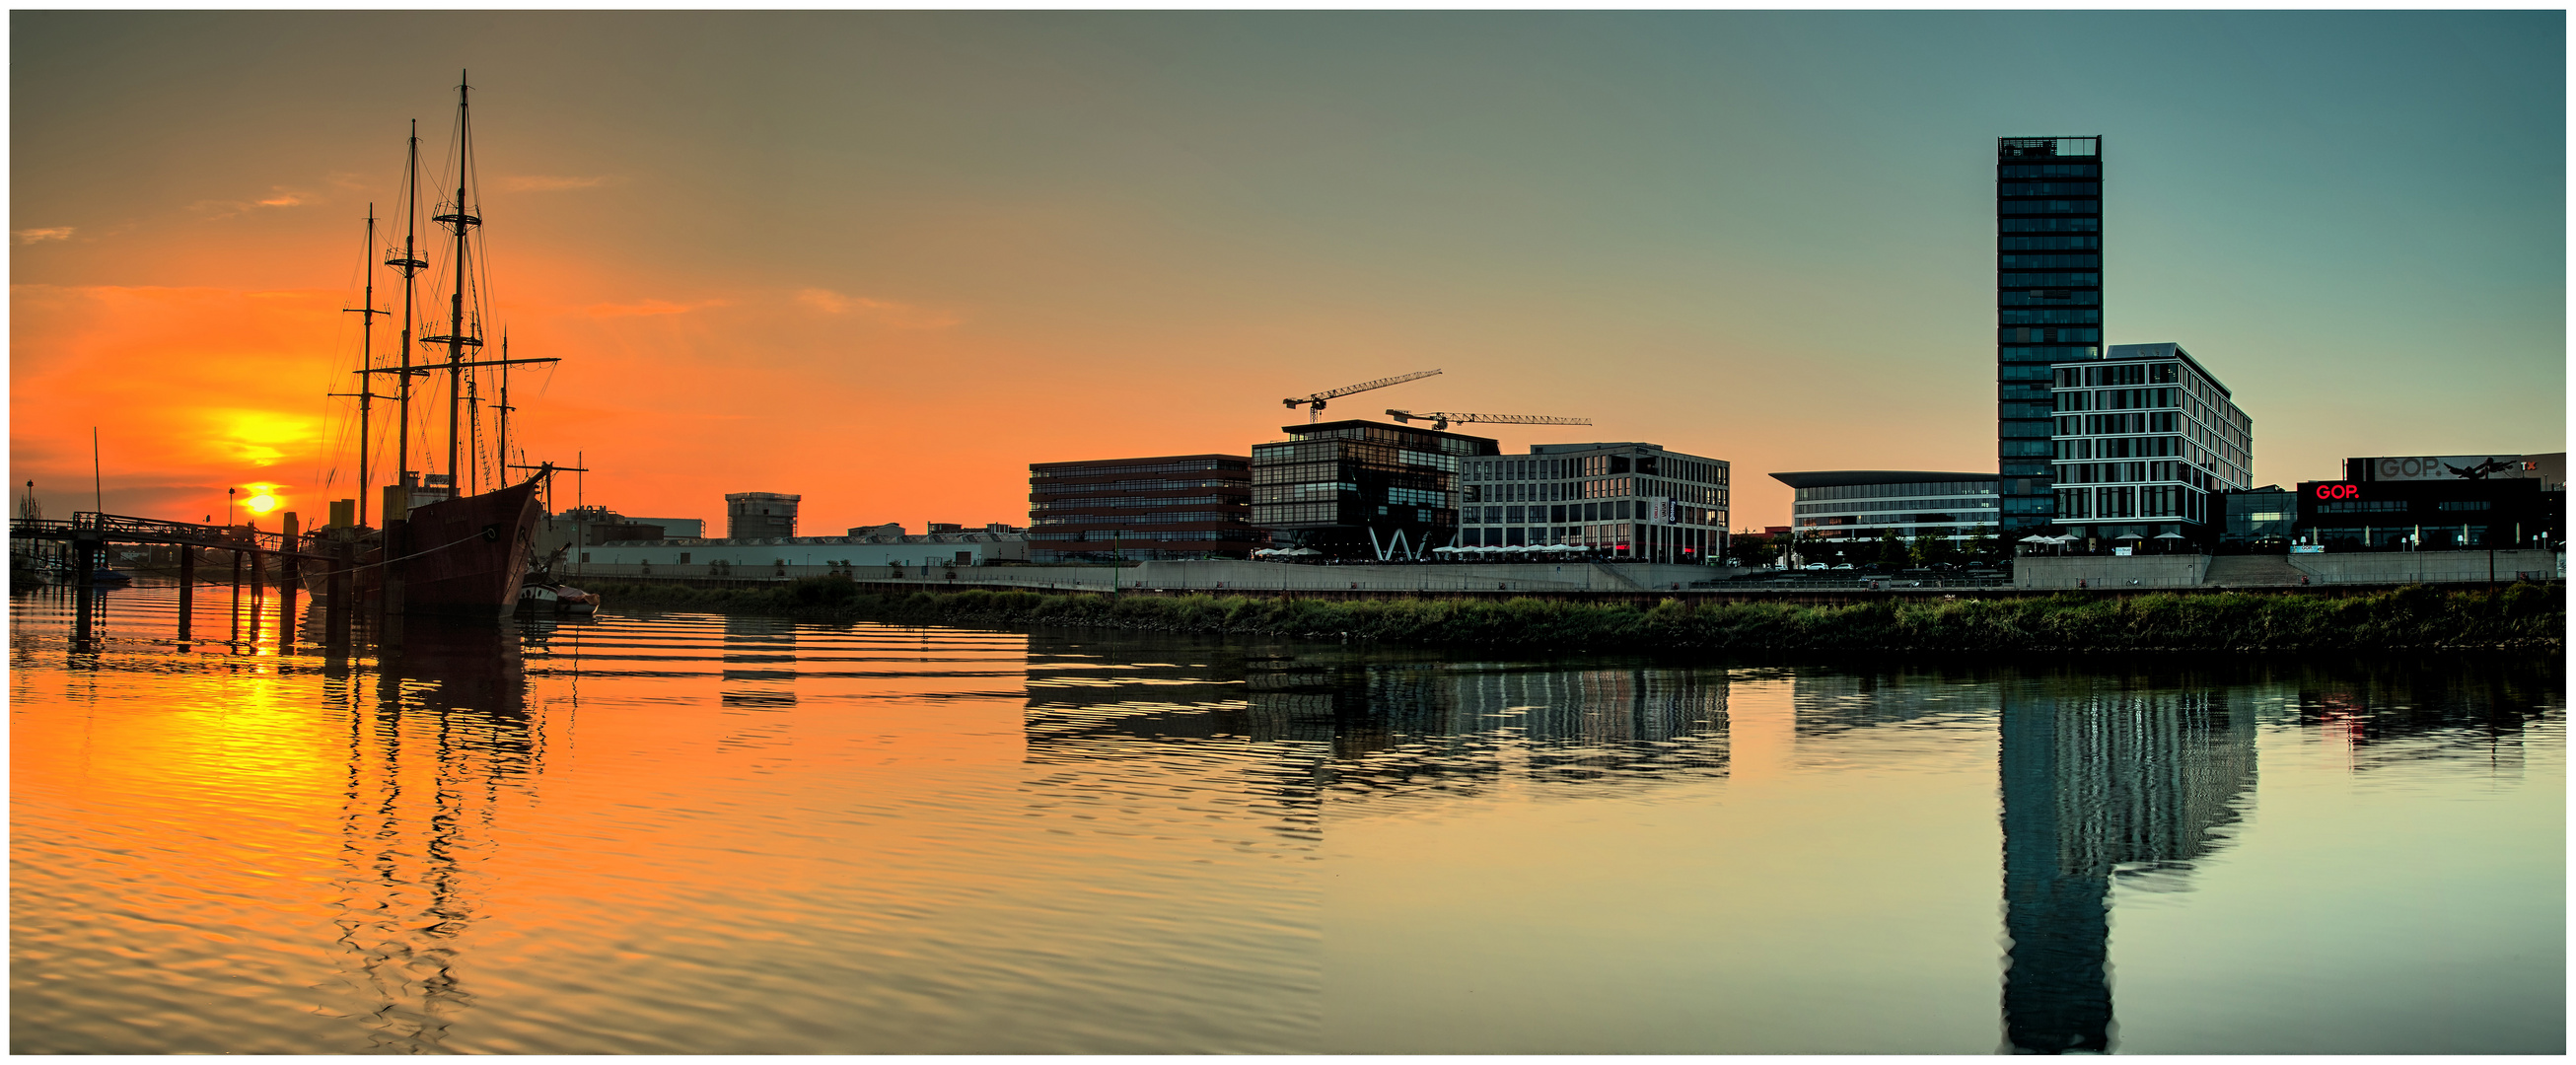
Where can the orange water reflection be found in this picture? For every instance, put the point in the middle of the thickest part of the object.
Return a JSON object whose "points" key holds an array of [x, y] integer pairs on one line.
{"points": [[702, 834]]}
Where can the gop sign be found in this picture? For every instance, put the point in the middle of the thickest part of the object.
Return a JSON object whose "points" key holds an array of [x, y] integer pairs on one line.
{"points": [[2447, 467], [2332, 490]]}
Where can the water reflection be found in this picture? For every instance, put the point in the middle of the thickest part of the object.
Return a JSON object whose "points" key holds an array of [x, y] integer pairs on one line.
{"points": [[1100, 841], [2125, 777], [1356, 723], [2395, 711], [433, 748]]}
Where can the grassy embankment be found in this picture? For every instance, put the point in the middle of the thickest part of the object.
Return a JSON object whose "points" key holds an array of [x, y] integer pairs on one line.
{"points": [[2521, 616]]}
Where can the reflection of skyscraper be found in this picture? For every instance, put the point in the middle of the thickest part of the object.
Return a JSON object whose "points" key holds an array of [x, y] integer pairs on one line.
{"points": [[2100, 782]]}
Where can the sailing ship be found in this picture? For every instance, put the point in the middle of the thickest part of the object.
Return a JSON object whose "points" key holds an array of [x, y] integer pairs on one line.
{"points": [[446, 548]]}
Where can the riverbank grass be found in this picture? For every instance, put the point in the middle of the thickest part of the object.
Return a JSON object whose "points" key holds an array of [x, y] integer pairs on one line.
{"points": [[2418, 617]]}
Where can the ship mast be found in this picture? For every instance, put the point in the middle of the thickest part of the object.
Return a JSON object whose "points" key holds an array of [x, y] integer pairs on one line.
{"points": [[366, 367], [461, 222], [410, 264], [504, 406]]}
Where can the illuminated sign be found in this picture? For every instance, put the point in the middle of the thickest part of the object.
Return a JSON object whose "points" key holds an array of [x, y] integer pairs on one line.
{"points": [[2337, 490]]}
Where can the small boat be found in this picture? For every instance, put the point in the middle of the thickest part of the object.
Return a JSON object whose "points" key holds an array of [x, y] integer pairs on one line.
{"points": [[110, 577], [539, 594]]}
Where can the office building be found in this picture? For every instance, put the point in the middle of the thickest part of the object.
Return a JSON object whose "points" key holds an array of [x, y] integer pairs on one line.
{"points": [[1837, 507], [1625, 500], [2430, 515], [1142, 509], [1360, 489], [760, 515], [2048, 302], [2147, 440], [889, 529]]}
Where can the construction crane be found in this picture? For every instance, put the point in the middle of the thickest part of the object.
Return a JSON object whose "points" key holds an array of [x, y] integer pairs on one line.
{"points": [[1441, 419], [1316, 402]]}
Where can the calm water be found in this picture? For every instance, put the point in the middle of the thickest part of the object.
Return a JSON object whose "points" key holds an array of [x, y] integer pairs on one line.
{"points": [[690, 833]]}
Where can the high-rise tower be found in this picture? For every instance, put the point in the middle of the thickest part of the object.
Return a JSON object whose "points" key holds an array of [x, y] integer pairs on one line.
{"points": [[2048, 302]]}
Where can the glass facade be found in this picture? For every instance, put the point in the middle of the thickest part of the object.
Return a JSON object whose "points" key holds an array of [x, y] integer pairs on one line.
{"points": [[2260, 517], [1361, 489], [2048, 303], [1856, 505], [1625, 501], [1142, 509]]}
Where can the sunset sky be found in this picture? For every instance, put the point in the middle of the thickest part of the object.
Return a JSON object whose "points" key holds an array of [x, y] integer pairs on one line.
{"points": [[887, 260]]}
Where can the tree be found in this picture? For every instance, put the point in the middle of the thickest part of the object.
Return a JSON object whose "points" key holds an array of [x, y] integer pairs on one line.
{"points": [[1930, 547], [1981, 543], [1753, 549], [1890, 549]]}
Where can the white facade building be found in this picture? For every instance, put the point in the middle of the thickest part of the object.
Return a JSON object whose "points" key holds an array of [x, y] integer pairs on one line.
{"points": [[754, 556], [2146, 442]]}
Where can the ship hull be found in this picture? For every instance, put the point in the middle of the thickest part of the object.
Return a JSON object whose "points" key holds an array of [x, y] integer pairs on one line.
{"points": [[470, 554]]}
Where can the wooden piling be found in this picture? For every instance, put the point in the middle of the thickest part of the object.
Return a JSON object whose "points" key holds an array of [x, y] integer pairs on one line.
{"points": [[289, 578], [397, 542], [187, 589], [258, 577], [337, 589]]}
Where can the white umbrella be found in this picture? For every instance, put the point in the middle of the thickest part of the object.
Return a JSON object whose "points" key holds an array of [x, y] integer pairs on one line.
{"points": [[2128, 536], [2169, 536], [2039, 538]]}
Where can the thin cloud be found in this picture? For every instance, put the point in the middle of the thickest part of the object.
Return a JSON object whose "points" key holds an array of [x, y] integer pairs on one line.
{"points": [[648, 307], [888, 312], [45, 233], [546, 183], [279, 196]]}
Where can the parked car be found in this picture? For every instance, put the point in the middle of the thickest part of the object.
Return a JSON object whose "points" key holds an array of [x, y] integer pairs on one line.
{"points": [[1816, 565], [1845, 565]]}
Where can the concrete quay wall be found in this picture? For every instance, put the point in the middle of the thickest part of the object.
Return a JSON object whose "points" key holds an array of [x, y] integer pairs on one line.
{"points": [[2360, 568], [2430, 567], [2111, 571]]}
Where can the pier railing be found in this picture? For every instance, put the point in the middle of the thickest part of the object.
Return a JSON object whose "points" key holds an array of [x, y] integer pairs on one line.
{"points": [[104, 528]]}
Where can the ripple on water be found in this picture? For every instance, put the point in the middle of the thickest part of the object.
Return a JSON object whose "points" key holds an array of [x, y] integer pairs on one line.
{"points": [[691, 833]]}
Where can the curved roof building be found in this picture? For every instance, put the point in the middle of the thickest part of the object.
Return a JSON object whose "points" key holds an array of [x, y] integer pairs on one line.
{"points": [[1866, 504]]}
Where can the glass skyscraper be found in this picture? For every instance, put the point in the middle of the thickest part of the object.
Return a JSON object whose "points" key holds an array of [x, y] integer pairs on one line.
{"points": [[2048, 303]]}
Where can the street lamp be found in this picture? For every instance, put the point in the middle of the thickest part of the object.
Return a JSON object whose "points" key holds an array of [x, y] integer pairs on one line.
{"points": [[228, 506]]}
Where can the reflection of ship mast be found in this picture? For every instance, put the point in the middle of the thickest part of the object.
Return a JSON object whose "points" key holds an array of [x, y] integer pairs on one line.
{"points": [[408, 847], [2098, 784]]}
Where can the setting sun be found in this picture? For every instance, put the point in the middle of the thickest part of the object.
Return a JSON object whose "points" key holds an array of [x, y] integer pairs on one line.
{"points": [[261, 503]]}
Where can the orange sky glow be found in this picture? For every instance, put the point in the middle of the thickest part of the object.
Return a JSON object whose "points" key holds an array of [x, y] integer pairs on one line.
{"points": [[887, 260]]}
